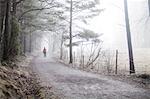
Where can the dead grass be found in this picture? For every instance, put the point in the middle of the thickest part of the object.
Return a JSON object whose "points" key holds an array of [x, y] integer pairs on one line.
{"points": [[144, 76], [19, 82]]}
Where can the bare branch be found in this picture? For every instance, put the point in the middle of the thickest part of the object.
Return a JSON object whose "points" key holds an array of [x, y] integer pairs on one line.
{"points": [[36, 9], [19, 1], [94, 58]]}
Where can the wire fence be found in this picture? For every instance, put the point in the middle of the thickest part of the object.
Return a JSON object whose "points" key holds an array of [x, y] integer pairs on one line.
{"points": [[106, 62]]}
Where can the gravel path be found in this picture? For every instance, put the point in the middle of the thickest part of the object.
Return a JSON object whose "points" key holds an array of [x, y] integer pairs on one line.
{"points": [[76, 84]]}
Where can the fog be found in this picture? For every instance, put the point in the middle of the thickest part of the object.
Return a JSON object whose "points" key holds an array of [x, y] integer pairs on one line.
{"points": [[95, 31], [75, 49], [112, 23]]}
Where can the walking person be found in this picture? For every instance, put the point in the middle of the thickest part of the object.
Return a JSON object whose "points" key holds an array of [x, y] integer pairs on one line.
{"points": [[44, 52]]}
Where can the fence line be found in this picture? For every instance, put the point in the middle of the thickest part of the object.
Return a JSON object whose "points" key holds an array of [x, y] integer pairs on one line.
{"points": [[114, 61]]}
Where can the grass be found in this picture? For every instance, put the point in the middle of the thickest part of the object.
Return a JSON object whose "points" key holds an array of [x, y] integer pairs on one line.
{"points": [[144, 76]]}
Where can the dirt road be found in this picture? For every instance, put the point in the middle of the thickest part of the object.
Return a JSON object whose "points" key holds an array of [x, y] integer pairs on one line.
{"points": [[76, 84]]}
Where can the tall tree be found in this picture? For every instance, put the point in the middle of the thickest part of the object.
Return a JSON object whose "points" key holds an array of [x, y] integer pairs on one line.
{"points": [[70, 47], [1, 24], [80, 11], [4, 23], [7, 30], [131, 61], [149, 6]]}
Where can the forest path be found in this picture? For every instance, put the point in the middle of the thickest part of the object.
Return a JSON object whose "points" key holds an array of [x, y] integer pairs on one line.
{"points": [[76, 84]]}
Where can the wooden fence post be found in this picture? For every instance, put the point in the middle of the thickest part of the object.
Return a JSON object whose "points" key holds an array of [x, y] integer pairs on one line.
{"points": [[83, 61], [116, 70], [74, 57]]}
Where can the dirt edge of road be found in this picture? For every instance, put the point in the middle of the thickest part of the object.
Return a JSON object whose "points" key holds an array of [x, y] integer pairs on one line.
{"points": [[139, 80]]}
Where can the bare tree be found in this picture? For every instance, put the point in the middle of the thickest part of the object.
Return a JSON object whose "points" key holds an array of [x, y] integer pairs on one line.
{"points": [[70, 43], [131, 61]]}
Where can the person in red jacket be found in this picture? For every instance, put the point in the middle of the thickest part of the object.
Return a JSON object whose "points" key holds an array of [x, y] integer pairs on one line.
{"points": [[44, 52]]}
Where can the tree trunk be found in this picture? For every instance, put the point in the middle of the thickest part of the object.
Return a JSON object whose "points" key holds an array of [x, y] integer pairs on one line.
{"points": [[116, 70], [30, 47], [15, 44], [3, 5], [0, 18], [7, 30], [61, 48], [1, 24], [149, 6], [70, 45], [24, 43], [14, 7], [131, 61]]}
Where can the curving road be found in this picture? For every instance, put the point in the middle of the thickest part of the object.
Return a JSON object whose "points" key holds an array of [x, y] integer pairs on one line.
{"points": [[76, 84]]}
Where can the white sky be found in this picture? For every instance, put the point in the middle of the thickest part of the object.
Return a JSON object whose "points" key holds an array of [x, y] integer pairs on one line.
{"points": [[111, 22]]}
